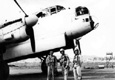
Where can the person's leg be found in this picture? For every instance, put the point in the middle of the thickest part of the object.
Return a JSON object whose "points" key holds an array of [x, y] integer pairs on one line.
{"points": [[79, 73], [75, 73], [62, 71], [65, 74], [52, 73], [48, 73]]}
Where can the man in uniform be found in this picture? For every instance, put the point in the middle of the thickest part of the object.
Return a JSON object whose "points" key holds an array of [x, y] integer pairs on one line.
{"points": [[64, 62], [51, 62], [76, 65]]}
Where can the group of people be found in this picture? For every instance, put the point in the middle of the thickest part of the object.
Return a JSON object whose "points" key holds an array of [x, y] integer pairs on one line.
{"points": [[51, 62]]}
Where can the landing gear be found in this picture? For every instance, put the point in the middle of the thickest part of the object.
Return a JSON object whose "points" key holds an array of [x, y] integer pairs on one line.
{"points": [[4, 68], [44, 67]]}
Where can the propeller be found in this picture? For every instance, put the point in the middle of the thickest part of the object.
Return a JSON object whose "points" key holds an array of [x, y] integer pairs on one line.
{"points": [[30, 21]]}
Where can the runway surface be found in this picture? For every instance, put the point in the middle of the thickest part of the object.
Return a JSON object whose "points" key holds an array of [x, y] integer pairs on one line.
{"points": [[36, 74]]}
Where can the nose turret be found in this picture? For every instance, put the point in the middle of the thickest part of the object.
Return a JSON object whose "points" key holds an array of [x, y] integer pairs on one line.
{"points": [[83, 11]]}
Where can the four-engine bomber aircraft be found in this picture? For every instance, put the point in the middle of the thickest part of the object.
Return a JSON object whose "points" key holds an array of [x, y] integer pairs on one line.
{"points": [[35, 35]]}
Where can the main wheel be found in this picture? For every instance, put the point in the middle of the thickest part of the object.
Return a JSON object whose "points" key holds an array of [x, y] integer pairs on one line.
{"points": [[4, 70], [44, 67]]}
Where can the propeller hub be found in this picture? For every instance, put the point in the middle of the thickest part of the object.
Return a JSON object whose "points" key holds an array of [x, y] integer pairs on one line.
{"points": [[31, 20]]}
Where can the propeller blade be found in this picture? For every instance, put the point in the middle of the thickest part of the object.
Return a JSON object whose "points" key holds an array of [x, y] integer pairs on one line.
{"points": [[30, 33], [21, 8]]}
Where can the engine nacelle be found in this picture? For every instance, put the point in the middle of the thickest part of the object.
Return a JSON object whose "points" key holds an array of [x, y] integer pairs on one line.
{"points": [[15, 32]]}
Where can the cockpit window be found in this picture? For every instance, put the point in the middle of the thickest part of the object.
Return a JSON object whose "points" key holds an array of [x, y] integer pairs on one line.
{"points": [[40, 14], [56, 9], [59, 8], [50, 11], [43, 13], [53, 10], [81, 11]]}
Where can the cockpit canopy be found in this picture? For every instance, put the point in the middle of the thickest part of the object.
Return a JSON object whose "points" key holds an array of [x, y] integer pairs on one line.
{"points": [[50, 11], [81, 11]]}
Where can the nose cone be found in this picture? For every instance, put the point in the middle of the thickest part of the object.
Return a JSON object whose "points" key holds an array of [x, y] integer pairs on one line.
{"points": [[83, 25]]}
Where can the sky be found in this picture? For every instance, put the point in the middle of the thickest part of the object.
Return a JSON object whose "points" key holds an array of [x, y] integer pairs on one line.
{"points": [[96, 43]]}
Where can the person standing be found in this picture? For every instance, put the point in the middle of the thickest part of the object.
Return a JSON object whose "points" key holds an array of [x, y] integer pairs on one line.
{"points": [[51, 62], [64, 62], [77, 65]]}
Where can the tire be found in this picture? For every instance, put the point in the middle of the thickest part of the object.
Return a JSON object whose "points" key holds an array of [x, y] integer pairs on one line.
{"points": [[4, 70], [44, 67]]}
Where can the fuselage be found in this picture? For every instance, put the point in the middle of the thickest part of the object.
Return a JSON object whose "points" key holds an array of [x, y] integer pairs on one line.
{"points": [[51, 31]]}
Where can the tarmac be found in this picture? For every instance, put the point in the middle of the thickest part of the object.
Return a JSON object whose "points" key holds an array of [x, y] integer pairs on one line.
{"points": [[36, 74]]}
